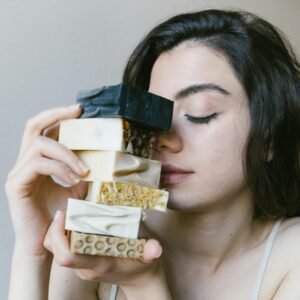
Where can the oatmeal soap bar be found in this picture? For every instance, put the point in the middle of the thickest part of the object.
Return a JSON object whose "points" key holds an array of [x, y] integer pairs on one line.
{"points": [[127, 194], [92, 244]]}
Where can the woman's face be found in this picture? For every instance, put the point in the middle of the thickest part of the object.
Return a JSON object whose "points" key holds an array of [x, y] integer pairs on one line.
{"points": [[203, 154]]}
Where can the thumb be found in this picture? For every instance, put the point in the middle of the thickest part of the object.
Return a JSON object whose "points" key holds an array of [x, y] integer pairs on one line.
{"points": [[152, 251], [56, 232]]}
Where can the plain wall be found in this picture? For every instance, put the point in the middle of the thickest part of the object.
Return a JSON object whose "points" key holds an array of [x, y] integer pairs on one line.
{"points": [[51, 49]]}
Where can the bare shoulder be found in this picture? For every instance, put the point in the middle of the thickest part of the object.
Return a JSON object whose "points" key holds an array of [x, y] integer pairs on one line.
{"points": [[286, 260], [289, 237], [287, 243]]}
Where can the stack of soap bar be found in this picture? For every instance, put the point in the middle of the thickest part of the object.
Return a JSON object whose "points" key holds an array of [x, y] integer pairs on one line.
{"points": [[113, 138]]}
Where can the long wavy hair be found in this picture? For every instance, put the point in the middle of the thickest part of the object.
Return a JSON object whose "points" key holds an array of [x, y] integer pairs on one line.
{"points": [[269, 72]]}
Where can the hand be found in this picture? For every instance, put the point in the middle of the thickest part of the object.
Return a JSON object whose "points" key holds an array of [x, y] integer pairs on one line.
{"points": [[133, 276], [32, 193]]}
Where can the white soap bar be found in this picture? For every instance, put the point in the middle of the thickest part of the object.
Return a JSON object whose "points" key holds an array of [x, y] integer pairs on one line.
{"points": [[113, 134], [88, 217], [92, 134], [127, 194], [118, 166]]}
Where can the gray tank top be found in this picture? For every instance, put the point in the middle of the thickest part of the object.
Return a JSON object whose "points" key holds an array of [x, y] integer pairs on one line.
{"points": [[261, 269]]}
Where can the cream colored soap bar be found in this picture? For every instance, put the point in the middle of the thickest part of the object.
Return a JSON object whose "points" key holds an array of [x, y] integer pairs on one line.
{"points": [[118, 193], [88, 217], [113, 134], [92, 244], [92, 134], [117, 166]]}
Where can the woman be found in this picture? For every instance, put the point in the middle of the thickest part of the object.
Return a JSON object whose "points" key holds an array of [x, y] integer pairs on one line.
{"points": [[230, 163]]}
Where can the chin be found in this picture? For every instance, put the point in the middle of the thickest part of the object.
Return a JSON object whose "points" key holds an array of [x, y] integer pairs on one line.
{"points": [[180, 202], [181, 205]]}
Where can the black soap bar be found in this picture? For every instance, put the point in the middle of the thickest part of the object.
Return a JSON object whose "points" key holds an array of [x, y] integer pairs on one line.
{"points": [[130, 103]]}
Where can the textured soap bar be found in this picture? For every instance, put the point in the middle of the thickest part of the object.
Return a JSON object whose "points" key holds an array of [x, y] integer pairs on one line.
{"points": [[127, 102], [106, 134], [117, 166], [118, 193], [93, 244], [89, 217]]}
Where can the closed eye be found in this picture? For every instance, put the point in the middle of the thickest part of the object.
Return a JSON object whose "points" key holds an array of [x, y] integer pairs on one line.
{"points": [[201, 120]]}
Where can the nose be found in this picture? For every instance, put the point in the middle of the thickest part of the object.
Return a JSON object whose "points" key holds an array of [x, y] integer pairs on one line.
{"points": [[168, 141]]}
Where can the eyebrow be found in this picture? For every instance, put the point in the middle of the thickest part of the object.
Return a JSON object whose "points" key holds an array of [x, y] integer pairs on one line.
{"points": [[195, 88]]}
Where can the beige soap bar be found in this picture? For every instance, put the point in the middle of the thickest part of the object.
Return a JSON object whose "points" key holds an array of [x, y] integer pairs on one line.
{"points": [[89, 217], [92, 244], [118, 166], [127, 194], [113, 134]]}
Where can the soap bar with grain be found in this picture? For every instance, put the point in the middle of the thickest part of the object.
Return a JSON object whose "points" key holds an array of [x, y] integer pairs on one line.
{"points": [[127, 194]]}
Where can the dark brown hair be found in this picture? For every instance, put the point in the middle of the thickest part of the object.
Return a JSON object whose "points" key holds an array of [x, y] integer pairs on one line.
{"points": [[268, 69]]}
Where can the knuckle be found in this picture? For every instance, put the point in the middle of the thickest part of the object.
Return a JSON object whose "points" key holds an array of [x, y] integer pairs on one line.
{"points": [[64, 260], [39, 141], [47, 243], [9, 176], [35, 162], [9, 185], [32, 124], [87, 274]]}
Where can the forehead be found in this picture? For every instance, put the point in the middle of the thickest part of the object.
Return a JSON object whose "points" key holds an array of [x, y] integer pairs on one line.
{"points": [[189, 64]]}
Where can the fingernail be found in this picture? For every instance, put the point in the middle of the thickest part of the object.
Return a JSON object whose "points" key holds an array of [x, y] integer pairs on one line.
{"points": [[57, 215], [83, 166]]}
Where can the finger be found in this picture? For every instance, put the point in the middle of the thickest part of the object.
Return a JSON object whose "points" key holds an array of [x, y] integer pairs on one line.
{"points": [[152, 251], [57, 242], [37, 124], [46, 147], [38, 166]]}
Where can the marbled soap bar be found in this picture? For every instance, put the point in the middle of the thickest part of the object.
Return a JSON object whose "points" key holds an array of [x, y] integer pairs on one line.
{"points": [[118, 166], [106, 134], [127, 194], [131, 103], [88, 217], [92, 244]]}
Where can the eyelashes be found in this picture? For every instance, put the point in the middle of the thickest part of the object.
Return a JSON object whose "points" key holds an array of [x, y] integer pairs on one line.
{"points": [[201, 120]]}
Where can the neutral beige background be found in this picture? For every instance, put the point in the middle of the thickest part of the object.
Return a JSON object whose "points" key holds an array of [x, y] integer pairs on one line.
{"points": [[50, 49]]}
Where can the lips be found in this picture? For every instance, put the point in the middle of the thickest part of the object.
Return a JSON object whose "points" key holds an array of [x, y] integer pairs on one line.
{"points": [[171, 174]]}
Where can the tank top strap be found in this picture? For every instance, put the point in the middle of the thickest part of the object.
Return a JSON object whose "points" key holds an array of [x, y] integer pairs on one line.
{"points": [[264, 260], [113, 292]]}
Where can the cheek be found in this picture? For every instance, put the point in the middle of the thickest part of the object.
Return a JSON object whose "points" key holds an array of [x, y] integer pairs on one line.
{"points": [[220, 145]]}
